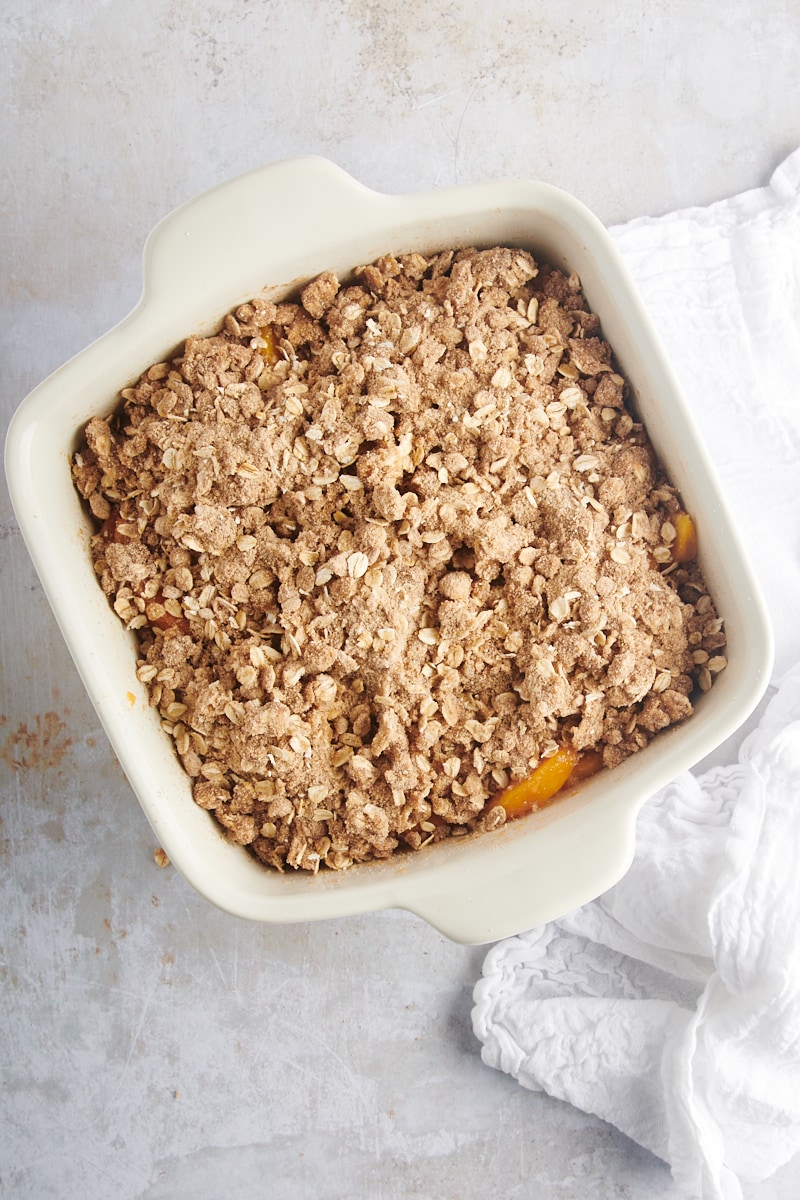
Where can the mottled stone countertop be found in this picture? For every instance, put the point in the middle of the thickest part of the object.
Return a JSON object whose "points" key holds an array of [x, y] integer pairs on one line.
{"points": [[151, 1045]]}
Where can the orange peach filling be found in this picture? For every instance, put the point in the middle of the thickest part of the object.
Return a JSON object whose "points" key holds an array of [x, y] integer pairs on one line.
{"points": [[684, 548], [269, 351], [551, 775]]}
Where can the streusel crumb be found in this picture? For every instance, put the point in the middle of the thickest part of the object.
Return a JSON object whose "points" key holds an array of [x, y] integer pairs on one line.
{"points": [[388, 549]]}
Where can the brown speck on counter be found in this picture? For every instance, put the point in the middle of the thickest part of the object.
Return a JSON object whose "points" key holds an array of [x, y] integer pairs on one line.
{"points": [[41, 747]]}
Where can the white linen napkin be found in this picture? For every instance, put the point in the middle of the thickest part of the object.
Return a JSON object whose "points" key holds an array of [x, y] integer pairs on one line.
{"points": [[670, 1006]]}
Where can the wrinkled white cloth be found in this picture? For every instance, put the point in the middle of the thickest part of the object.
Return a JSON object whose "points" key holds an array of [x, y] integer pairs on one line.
{"points": [[670, 1006]]}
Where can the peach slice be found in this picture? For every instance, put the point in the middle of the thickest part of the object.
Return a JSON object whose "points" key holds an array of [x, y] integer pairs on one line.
{"points": [[270, 353], [551, 775], [684, 548]]}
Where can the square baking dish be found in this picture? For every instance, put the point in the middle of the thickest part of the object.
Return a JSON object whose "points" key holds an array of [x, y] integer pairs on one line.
{"points": [[269, 232]]}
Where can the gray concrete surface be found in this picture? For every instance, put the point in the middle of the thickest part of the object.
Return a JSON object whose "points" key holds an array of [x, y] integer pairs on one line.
{"points": [[150, 1046]]}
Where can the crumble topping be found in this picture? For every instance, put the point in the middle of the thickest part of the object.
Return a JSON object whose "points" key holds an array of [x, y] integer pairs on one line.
{"points": [[392, 547]]}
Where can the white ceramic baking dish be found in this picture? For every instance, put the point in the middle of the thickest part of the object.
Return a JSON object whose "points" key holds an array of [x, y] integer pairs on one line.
{"points": [[275, 228]]}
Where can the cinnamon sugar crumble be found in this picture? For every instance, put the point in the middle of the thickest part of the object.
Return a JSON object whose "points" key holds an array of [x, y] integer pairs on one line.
{"points": [[387, 548]]}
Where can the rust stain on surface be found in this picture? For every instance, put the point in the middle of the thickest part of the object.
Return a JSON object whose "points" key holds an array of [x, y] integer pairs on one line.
{"points": [[39, 748]]}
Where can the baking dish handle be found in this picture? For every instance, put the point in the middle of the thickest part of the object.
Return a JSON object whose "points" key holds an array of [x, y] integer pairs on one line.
{"points": [[544, 881]]}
